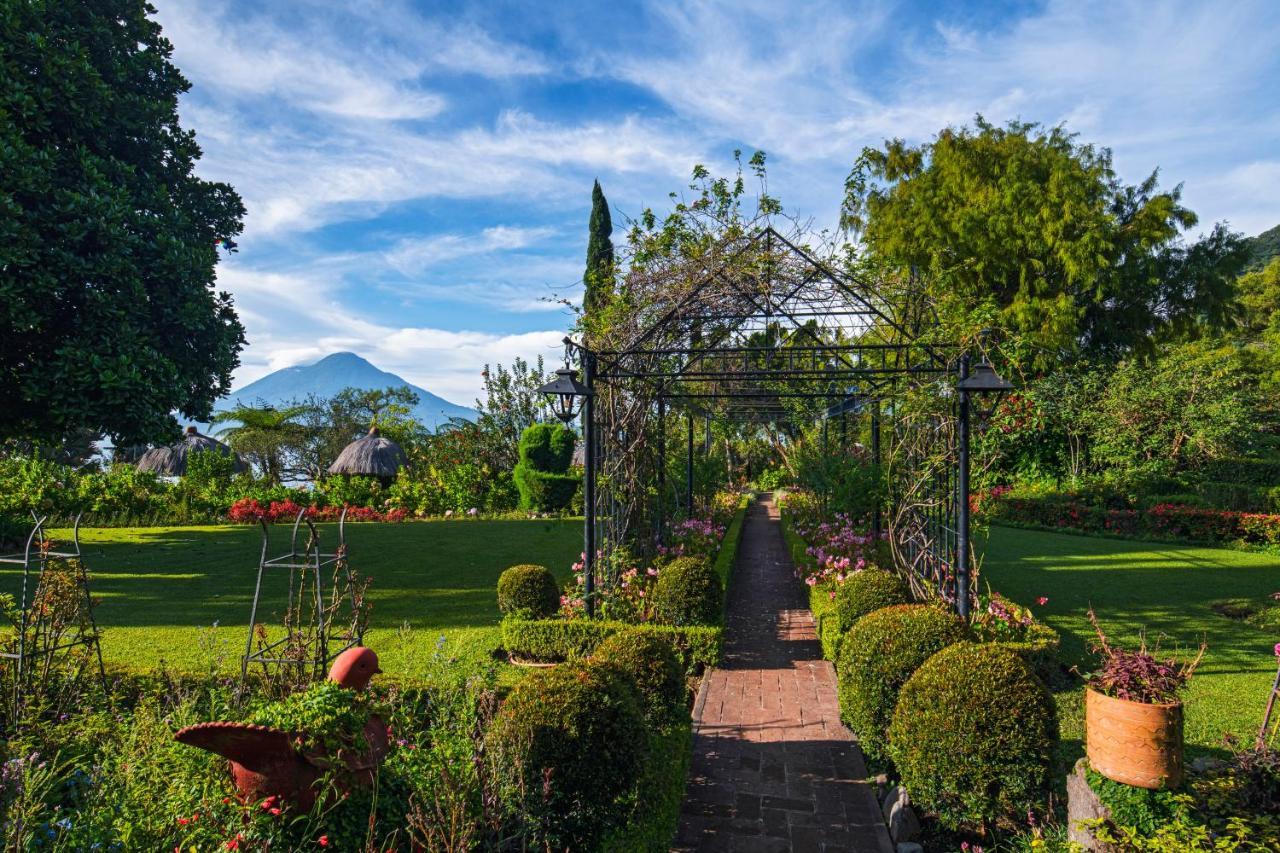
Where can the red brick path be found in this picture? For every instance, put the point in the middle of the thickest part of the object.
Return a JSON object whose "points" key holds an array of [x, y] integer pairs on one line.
{"points": [[773, 766]]}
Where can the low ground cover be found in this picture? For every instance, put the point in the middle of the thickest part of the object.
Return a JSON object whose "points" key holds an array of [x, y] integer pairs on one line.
{"points": [[182, 595]]}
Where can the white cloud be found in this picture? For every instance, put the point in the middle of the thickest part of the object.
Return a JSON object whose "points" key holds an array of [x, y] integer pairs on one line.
{"points": [[298, 318], [413, 255]]}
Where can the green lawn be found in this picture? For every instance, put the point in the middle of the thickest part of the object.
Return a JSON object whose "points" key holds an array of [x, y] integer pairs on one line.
{"points": [[162, 589], [1165, 590]]}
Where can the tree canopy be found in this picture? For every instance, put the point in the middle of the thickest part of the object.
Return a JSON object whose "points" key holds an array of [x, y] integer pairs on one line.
{"points": [[110, 320], [598, 277], [1027, 231]]}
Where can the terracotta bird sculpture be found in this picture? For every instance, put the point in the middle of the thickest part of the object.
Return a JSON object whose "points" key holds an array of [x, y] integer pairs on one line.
{"points": [[267, 762]]}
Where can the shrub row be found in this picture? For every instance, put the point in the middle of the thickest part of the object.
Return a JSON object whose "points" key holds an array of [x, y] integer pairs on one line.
{"points": [[551, 640], [592, 755], [1163, 521]]}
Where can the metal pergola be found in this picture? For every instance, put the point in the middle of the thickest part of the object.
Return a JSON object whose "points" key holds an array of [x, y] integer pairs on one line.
{"points": [[767, 332]]}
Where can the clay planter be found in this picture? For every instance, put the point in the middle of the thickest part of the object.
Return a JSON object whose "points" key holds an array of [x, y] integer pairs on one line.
{"points": [[1134, 743]]}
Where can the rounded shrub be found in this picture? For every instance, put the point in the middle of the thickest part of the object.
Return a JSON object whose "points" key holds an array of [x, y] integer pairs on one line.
{"points": [[973, 735], [877, 656], [688, 592], [866, 591], [528, 591], [649, 660], [567, 748]]}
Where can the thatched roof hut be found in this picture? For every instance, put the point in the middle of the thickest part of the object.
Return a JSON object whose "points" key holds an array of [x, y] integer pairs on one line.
{"points": [[370, 456], [172, 460]]}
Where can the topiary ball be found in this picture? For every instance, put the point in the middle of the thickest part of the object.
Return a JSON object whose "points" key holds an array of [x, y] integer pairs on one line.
{"points": [[649, 660], [688, 592], [866, 591], [566, 748], [529, 592], [974, 734], [877, 656]]}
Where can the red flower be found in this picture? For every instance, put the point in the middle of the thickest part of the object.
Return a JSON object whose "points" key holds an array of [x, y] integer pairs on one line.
{"points": [[1042, 601], [323, 840]]}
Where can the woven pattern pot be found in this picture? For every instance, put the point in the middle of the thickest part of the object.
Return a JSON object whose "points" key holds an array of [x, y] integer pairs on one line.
{"points": [[1133, 742]]}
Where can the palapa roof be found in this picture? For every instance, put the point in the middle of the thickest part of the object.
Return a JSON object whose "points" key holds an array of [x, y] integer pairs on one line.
{"points": [[172, 460], [370, 456]]}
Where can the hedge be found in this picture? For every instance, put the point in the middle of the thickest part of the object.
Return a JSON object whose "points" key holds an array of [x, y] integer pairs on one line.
{"points": [[567, 639], [727, 556], [1165, 521], [659, 794]]}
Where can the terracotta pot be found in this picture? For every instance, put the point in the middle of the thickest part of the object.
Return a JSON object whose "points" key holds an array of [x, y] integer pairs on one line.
{"points": [[1133, 742]]}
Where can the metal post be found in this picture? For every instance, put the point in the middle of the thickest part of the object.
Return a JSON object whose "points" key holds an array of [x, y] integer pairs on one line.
{"points": [[962, 498], [589, 484], [662, 470], [844, 431], [875, 458], [688, 472]]}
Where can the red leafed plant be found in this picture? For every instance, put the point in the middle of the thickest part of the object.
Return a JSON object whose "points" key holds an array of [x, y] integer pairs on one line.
{"points": [[1139, 675]]}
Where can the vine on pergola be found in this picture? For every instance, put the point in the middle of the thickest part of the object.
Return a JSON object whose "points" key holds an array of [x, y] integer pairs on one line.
{"points": [[752, 319]]}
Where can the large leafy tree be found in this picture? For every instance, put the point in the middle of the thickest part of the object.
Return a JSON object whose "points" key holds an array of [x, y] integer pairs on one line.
{"points": [[108, 317], [335, 422], [1025, 230]]}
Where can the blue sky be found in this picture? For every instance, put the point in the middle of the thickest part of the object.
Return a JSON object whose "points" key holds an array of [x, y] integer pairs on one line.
{"points": [[418, 175]]}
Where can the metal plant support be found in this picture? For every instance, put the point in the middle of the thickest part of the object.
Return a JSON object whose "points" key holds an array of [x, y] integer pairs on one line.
{"points": [[310, 609], [37, 641], [760, 330]]}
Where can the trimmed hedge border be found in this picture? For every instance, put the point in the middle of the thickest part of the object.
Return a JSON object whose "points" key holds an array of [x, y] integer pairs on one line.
{"points": [[659, 793], [699, 646]]}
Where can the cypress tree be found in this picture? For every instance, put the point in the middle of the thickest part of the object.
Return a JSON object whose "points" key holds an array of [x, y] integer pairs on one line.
{"points": [[598, 277]]}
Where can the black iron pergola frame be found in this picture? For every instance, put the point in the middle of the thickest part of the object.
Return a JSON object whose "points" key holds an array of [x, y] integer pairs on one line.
{"points": [[698, 356]]}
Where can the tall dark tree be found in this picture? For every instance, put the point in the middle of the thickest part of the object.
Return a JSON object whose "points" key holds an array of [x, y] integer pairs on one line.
{"points": [[598, 277], [108, 241]]}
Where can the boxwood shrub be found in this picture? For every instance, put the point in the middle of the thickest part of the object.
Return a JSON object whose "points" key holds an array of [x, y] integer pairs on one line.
{"points": [[974, 734], [688, 592], [650, 661], [529, 591], [861, 593], [567, 747], [877, 656], [566, 639]]}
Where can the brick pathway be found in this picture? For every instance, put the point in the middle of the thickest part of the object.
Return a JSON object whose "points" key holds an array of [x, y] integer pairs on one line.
{"points": [[773, 766]]}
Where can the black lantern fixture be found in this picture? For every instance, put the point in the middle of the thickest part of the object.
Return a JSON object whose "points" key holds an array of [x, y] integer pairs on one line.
{"points": [[569, 394], [985, 388]]}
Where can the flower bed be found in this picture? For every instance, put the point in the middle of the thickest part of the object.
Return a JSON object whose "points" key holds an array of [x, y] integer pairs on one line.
{"points": [[630, 603], [1162, 521], [250, 511]]}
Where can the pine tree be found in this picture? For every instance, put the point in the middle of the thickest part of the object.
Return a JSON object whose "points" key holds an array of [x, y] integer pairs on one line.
{"points": [[598, 277]]}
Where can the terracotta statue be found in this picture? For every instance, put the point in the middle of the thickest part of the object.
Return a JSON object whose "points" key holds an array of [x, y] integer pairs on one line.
{"points": [[267, 762]]}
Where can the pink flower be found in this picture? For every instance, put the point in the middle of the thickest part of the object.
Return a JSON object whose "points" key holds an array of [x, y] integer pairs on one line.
{"points": [[1042, 600], [1278, 650]]}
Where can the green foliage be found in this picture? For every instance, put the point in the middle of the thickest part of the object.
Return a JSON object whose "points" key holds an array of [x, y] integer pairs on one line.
{"points": [[659, 794], [878, 655], [326, 715], [545, 453], [110, 316], [727, 556], [865, 591], [688, 592], [529, 592], [1264, 248], [698, 646], [598, 277], [973, 735], [270, 438], [650, 662], [1137, 808], [567, 746], [1026, 230]]}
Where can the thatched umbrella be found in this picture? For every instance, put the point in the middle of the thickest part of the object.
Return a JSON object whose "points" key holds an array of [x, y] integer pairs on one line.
{"points": [[370, 456], [172, 460]]}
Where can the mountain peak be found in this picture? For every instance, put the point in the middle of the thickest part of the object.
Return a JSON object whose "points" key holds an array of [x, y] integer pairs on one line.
{"points": [[336, 372]]}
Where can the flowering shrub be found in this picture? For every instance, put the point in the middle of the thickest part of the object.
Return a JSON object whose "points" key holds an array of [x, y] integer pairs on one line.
{"points": [[1164, 520], [250, 511], [694, 537]]}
